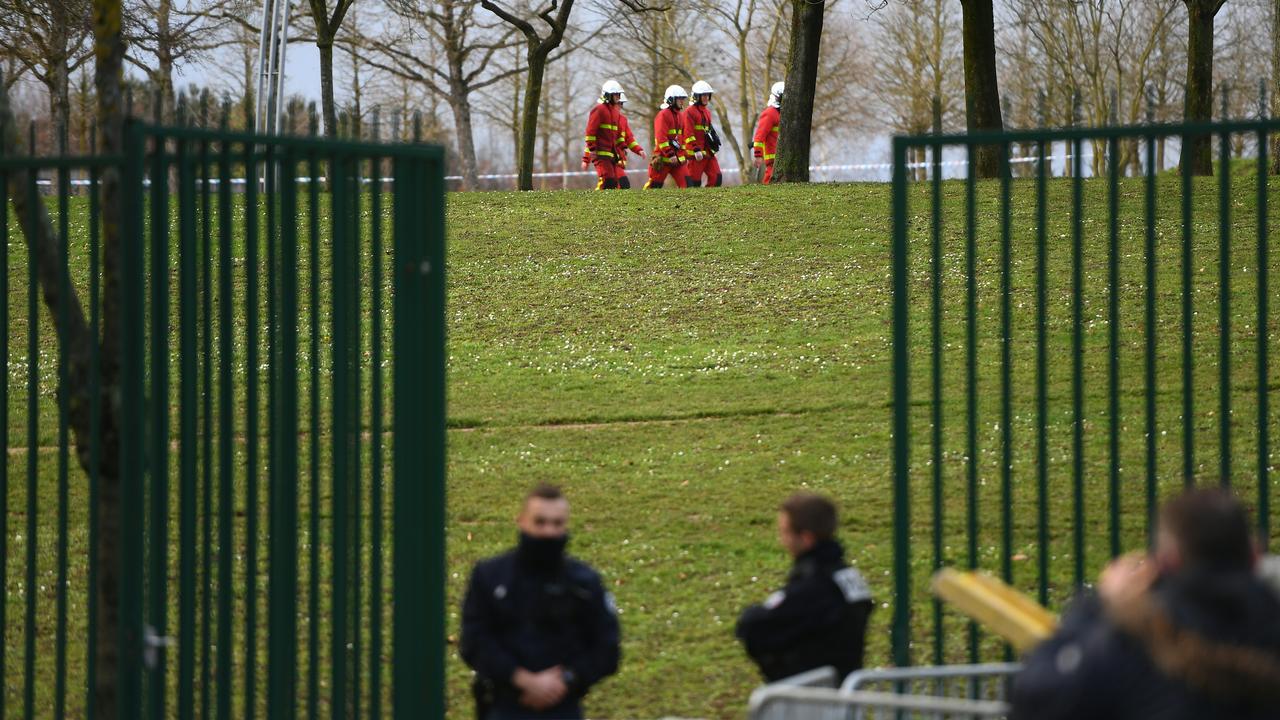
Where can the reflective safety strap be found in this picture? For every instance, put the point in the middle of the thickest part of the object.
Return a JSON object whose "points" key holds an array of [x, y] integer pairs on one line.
{"points": [[775, 129], [758, 144], [699, 127], [673, 131], [767, 156], [590, 138], [608, 127], [605, 153]]}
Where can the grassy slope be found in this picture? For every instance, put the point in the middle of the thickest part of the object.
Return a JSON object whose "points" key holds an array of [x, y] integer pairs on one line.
{"points": [[681, 361]]}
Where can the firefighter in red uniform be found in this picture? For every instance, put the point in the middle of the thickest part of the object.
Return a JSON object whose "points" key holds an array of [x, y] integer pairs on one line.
{"points": [[765, 141], [628, 142], [603, 129], [703, 143], [668, 141]]}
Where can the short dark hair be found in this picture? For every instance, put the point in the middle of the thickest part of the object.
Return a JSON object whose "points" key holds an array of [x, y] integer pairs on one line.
{"points": [[811, 512], [544, 491], [1211, 528]]}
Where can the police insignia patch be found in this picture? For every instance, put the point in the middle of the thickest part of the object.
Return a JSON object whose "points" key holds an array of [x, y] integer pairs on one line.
{"points": [[852, 585]]}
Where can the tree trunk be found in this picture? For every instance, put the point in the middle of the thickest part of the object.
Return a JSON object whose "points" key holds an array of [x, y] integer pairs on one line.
{"points": [[328, 108], [529, 118], [460, 105], [1275, 83], [744, 108], [982, 89], [108, 77], [1197, 152], [792, 164]]}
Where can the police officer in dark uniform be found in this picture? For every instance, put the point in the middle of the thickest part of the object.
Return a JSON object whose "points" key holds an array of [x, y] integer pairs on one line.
{"points": [[538, 627], [820, 617]]}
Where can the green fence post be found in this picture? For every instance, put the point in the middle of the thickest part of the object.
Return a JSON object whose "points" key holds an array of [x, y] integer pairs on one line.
{"points": [[901, 631]]}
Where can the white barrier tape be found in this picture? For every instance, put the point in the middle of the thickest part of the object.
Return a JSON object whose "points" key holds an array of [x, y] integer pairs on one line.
{"points": [[587, 173]]}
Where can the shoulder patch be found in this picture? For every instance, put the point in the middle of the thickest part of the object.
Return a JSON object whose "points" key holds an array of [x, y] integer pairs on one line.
{"points": [[852, 585]]}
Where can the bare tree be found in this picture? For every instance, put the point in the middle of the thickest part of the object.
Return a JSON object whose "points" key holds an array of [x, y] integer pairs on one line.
{"points": [[792, 164], [163, 35], [1197, 153], [1275, 82], [469, 47], [539, 46], [327, 25], [49, 39], [982, 89]]}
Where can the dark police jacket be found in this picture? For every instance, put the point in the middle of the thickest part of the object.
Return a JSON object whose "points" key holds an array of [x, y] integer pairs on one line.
{"points": [[1194, 646], [819, 618], [517, 615]]}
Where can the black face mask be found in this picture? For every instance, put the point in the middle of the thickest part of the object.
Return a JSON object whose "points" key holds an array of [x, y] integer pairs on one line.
{"points": [[542, 553]]}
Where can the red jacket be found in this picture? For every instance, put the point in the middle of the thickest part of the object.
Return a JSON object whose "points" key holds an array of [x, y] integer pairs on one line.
{"points": [[603, 128], [627, 141], [668, 125], [697, 120], [765, 142]]}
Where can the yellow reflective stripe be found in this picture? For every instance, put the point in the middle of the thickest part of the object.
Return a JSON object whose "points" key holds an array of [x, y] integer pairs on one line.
{"points": [[700, 127], [688, 139], [590, 138], [759, 145], [608, 127], [673, 132], [767, 156], [605, 153], [775, 128]]}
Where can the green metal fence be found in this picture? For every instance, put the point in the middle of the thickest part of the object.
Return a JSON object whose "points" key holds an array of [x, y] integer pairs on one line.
{"points": [[281, 346], [1069, 350]]}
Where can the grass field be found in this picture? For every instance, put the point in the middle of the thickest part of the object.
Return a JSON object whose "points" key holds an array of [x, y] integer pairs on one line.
{"points": [[682, 361]]}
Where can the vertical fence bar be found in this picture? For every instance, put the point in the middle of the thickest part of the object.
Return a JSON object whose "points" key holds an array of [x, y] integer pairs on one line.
{"points": [[901, 637], [1188, 334], [1077, 360], [188, 390], [33, 443], [159, 523], [354, 307], [132, 439], [1224, 308], [341, 249], [313, 387], [64, 317], [252, 401], [1150, 373], [971, 375], [226, 428], [1264, 343], [935, 340], [4, 422], [283, 619], [1113, 341], [95, 421], [206, 430], [419, 412], [1042, 445], [375, 450], [1006, 388]]}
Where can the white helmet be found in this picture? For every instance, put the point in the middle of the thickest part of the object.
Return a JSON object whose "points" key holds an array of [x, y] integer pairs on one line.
{"points": [[622, 97], [777, 89], [675, 91], [702, 87], [610, 87]]}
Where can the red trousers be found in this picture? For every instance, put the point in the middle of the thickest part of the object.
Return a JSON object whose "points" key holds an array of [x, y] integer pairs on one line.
{"points": [[658, 175], [768, 171], [708, 166], [607, 172]]}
